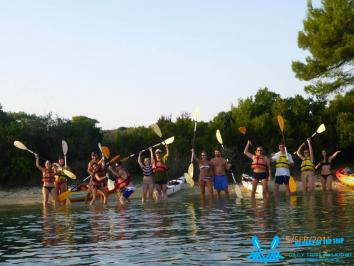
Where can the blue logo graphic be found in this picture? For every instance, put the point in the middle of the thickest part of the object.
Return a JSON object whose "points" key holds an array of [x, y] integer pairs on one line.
{"points": [[265, 256]]}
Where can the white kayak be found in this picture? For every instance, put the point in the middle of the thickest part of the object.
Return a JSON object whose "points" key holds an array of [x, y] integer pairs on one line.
{"points": [[175, 185], [247, 183]]}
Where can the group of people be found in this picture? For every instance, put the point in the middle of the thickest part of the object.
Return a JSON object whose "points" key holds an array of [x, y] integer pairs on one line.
{"points": [[105, 179], [283, 162]]}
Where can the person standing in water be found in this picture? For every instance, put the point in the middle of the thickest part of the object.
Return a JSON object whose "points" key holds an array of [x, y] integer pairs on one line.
{"points": [[160, 170], [219, 167], [48, 179], [307, 167], [97, 179], [148, 179], [326, 174], [261, 169], [283, 161], [123, 179], [205, 173], [61, 181]]}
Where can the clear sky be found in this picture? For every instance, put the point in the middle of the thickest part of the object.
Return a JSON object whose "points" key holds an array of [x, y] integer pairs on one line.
{"points": [[125, 63]]}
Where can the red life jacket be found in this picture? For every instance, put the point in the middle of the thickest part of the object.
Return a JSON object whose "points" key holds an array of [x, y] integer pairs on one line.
{"points": [[159, 166], [48, 176], [122, 183], [259, 162]]}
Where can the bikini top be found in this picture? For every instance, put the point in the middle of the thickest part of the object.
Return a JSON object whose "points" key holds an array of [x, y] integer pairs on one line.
{"points": [[204, 166], [326, 162]]}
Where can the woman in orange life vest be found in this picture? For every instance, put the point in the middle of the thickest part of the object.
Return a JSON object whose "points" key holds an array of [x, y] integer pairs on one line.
{"points": [[99, 175], [160, 170], [123, 179], [261, 169], [48, 173], [307, 167], [326, 173]]}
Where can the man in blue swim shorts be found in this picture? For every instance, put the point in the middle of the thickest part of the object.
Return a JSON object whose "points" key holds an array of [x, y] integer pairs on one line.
{"points": [[220, 165]]}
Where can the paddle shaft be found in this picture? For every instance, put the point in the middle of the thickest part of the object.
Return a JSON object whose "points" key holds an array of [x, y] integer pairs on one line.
{"points": [[193, 141], [134, 154], [314, 134], [232, 173]]}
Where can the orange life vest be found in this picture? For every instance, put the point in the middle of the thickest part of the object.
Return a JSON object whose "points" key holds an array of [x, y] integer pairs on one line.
{"points": [[122, 183], [159, 166], [48, 176], [259, 162]]}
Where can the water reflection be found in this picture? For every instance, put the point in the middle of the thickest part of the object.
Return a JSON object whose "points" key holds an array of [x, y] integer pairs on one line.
{"points": [[184, 230]]}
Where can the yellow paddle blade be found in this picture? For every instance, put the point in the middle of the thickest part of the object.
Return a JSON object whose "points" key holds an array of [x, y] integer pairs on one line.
{"points": [[191, 170], [63, 196], [99, 146], [169, 140], [238, 191], [321, 128], [114, 159], [243, 130], [105, 151], [156, 129], [20, 145], [218, 136], [69, 174], [196, 114], [281, 122], [189, 179], [292, 184]]}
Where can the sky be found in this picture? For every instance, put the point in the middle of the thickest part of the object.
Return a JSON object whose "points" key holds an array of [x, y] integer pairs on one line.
{"points": [[126, 63]]}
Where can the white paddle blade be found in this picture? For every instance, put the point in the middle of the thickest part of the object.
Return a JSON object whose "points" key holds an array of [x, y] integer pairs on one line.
{"points": [[20, 145], [238, 192], [64, 145], [69, 174], [156, 129], [189, 179], [191, 170], [218, 136], [169, 140], [100, 146], [196, 114], [321, 128]]}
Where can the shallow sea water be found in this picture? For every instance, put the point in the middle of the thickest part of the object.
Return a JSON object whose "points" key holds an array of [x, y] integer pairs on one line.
{"points": [[183, 231]]}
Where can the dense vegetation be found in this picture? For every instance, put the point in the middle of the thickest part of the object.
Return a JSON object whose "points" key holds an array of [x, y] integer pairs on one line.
{"points": [[257, 113]]}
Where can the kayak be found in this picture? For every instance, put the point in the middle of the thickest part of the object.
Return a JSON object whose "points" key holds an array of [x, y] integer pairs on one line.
{"points": [[345, 177], [172, 187], [175, 185], [247, 183]]}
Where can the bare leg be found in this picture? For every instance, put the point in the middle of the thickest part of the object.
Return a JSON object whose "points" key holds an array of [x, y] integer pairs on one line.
{"points": [[304, 182], [94, 192], [54, 194], [227, 192], [254, 187], [287, 190], [145, 189], [164, 191], [202, 187], [329, 182], [265, 187], [323, 183], [276, 189], [45, 196], [210, 188]]}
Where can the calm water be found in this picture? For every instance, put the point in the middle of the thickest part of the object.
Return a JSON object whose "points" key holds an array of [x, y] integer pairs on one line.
{"points": [[182, 231]]}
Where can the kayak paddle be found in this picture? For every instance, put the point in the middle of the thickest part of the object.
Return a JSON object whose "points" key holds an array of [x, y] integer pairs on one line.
{"points": [[320, 129], [64, 145], [236, 187]]}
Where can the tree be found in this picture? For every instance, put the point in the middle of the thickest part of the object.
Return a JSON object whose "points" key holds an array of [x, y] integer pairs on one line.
{"points": [[328, 35]]}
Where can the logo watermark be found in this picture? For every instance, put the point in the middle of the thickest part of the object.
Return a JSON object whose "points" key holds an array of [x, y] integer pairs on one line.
{"points": [[265, 255]]}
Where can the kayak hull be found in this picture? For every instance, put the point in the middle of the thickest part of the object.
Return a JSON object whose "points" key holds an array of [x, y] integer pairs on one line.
{"points": [[347, 179], [175, 185], [247, 183], [172, 187]]}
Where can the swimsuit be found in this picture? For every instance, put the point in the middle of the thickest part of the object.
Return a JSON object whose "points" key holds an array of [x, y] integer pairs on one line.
{"points": [[260, 176], [48, 188], [282, 179], [220, 182]]}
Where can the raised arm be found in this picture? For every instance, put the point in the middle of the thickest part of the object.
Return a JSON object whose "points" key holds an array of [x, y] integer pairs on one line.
{"points": [[167, 151], [151, 154], [310, 149], [333, 155], [298, 152], [139, 160], [194, 157], [246, 152], [40, 168]]}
